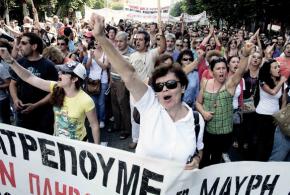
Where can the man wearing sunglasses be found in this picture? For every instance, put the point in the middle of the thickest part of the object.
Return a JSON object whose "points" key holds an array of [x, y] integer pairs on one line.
{"points": [[33, 110]]}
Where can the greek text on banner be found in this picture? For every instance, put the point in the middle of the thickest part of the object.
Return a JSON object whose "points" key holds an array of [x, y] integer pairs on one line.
{"points": [[35, 163]]}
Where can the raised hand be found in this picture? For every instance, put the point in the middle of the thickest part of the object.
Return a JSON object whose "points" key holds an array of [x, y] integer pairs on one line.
{"points": [[246, 50], [98, 24], [4, 54]]}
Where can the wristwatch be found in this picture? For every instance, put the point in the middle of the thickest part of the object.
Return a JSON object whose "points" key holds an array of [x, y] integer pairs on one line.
{"points": [[9, 61]]}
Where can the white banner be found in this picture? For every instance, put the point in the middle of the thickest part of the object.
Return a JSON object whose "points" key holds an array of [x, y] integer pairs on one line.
{"points": [[35, 163], [194, 18]]}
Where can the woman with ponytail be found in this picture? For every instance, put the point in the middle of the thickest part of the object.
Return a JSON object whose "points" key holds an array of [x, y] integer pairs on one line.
{"points": [[71, 104]]}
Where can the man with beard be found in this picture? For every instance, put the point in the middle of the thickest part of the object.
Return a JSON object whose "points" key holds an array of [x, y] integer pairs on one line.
{"points": [[33, 110], [143, 60]]}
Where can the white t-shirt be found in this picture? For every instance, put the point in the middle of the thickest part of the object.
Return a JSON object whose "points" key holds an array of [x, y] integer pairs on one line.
{"points": [[237, 94], [96, 70], [144, 62], [161, 137], [268, 104]]}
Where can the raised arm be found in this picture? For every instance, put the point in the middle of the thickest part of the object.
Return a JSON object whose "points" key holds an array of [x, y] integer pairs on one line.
{"points": [[206, 39], [24, 74], [133, 83], [235, 79]]}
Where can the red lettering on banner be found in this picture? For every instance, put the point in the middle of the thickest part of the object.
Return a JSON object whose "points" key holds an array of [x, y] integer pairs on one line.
{"points": [[31, 176], [50, 188], [47, 187], [4, 174], [57, 189], [73, 191]]}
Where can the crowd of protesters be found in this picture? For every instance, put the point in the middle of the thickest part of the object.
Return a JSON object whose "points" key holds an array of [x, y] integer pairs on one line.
{"points": [[231, 76]]}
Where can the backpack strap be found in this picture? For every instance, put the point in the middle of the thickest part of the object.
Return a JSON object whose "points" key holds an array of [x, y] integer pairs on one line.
{"points": [[196, 126], [196, 123], [196, 129]]}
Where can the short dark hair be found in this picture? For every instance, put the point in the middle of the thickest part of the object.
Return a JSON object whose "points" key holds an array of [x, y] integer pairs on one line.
{"points": [[34, 39], [6, 44], [112, 28], [163, 70], [146, 35], [67, 31], [64, 38], [184, 52], [214, 61]]}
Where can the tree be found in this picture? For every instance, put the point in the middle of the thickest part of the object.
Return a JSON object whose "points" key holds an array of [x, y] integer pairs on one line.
{"points": [[176, 10]]}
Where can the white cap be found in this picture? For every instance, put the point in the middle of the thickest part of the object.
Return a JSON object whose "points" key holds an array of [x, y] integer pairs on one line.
{"points": [[74, 67], [81, 71]]}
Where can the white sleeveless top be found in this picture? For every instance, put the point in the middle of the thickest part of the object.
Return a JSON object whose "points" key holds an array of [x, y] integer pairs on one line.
{"points": [[96, 70], [268, 104]]}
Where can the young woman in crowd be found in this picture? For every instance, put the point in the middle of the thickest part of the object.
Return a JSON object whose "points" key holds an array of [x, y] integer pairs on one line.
{"points": [[249, 134], [233, 65], [166, 124], [232, 48], [97, 65], [271, 89], [71, 104], [186, 60]]}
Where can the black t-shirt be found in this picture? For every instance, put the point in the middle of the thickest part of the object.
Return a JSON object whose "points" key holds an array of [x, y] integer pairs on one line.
{"points": [[42, 68], [250, 85]]}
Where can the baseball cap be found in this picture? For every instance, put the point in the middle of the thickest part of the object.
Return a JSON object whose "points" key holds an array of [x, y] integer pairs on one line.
{"points": [[73, 67]]}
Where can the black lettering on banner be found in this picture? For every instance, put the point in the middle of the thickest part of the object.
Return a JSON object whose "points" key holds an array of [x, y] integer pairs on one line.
{"points": [[213, 189], [238, 184], [6, 193], [82, 157], [133, 176], [251, 186], [62, 160], [269, 187], [45, 152], [10, 135], [145, 188], [2, 146], [106, 167], [183, 192], [32, 146], [226, 189]]}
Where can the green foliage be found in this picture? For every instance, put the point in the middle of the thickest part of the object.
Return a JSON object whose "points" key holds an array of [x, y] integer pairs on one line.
{"points": [[188, 6], [176, 10], [116, 6]]}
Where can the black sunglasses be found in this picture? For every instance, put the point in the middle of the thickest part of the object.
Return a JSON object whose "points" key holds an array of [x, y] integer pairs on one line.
{"points": [[171, 84], [187, 59]]}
